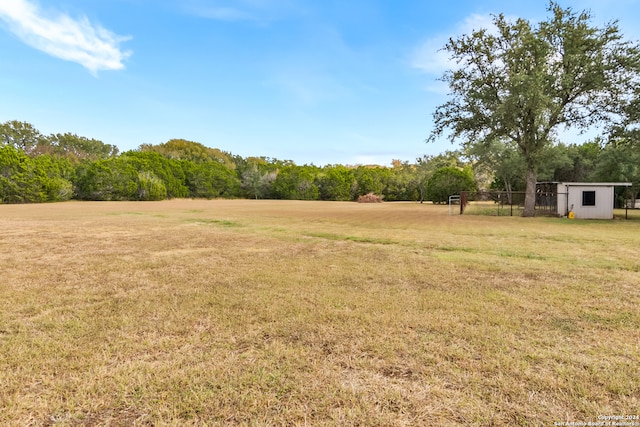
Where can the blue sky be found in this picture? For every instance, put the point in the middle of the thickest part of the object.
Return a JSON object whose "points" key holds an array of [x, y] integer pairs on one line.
{"points": [[313, 81]]}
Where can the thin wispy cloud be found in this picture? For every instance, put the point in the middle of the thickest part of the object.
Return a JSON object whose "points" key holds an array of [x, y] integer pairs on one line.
{"points": [[261, 11], [226, 14], [308, 87], [430, 56], [59, 35]]}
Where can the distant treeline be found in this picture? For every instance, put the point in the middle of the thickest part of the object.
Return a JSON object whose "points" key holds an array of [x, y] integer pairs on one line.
{"points": [[39, 168]]}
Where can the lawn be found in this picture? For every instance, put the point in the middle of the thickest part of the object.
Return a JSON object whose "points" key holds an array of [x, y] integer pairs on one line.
{"points": [[284, 313]]}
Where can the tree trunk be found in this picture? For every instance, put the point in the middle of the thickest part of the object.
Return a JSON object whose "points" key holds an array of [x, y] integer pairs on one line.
{"points": [[530, 195]]}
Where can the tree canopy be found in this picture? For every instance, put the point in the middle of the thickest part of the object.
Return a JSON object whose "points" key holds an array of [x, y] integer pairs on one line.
{"points": [[64, 166]]}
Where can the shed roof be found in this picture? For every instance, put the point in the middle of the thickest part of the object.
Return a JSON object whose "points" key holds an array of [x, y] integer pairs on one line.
{"points": [[596, 184]]}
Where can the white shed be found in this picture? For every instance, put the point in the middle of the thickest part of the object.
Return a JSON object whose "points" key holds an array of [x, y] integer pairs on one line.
{"points": [[588, 200]]}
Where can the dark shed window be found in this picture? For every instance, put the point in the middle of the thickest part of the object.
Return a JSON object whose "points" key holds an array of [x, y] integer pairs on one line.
{"points": [[588, 198]]}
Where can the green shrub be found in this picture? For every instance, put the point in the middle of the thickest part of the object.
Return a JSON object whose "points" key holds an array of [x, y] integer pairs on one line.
{"points": [[110, 179], [150, 187], [449, 181]]}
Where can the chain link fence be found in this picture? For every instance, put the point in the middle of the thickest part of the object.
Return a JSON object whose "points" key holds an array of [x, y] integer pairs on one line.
{"points": [[507, 203]]}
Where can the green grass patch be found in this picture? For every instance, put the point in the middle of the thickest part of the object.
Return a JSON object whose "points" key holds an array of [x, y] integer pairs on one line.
{"points": [[219, 222], [357, 239]]}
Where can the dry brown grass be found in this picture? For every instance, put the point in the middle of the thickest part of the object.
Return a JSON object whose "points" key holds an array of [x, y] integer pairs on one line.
{"points": [[273, 313]]}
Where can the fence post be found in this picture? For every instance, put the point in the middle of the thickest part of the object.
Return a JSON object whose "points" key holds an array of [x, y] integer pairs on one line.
{"points": [[451, 200], [464, 199]]}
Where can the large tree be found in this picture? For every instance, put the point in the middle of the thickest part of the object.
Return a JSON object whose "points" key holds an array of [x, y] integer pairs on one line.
{"points": [[181, 149], [521, 84], [21, 135], [78, 148]]}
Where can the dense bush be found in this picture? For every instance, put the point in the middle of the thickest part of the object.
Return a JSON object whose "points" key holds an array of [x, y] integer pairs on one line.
{"points": [[169, 171], [369, 179], [150, 187], [27, 180], [210, 179], [296, 183], [110, 179], [449, 181], [335, 182]]}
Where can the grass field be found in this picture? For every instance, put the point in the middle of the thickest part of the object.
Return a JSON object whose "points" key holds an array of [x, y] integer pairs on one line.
{"points": [[276, 313]]}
